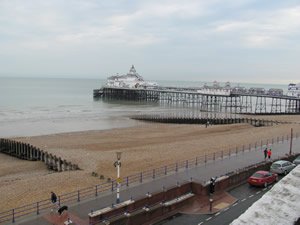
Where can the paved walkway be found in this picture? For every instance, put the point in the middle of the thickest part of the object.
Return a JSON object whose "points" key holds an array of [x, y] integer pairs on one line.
{"points": [[201, 204], [78, 212]]}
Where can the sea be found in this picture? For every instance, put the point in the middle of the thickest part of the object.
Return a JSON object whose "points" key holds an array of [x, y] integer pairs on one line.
{"points": [[47, 106]]}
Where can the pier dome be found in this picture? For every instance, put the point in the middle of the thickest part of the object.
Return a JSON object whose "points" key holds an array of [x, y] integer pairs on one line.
{"points": [[132, 70], [131, 80]]}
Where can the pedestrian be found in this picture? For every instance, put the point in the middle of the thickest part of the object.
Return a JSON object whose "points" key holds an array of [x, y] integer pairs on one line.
{"points": [[212, 185], [53, 201], [266, 153], [269, 154]]}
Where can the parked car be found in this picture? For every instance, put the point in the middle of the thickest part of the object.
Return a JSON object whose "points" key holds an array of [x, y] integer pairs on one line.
{"points": [[282, 167], [262, 178], [297, 160]]}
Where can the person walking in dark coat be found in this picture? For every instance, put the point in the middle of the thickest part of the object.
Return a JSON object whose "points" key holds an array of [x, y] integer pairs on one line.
{"points": [[212, 185], [266, 153], [53, 201]]}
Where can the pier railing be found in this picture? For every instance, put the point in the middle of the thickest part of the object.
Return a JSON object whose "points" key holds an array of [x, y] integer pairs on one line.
{"points": [[89, 192]]}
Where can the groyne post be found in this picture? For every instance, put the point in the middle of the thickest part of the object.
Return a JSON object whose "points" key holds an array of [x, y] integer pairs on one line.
{"points": [[46, 156], [30, 152], [59, 164]]}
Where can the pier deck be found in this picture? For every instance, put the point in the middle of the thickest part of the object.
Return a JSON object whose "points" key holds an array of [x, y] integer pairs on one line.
{"points": [[214, 101]]}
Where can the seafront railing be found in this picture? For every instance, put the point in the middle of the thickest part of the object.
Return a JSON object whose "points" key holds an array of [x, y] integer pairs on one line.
{"points": [[94, 191]]}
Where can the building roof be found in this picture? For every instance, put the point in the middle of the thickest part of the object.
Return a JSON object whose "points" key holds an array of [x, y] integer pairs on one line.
{"points": [[131, 74]]}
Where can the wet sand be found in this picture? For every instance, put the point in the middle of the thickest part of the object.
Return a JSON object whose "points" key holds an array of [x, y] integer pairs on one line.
{"points": [[143, 147]]}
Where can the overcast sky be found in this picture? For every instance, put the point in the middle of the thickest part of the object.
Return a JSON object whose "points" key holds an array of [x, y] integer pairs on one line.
{"points": [[203, 40]]}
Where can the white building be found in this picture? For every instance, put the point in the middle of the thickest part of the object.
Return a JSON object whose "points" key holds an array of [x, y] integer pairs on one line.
{"points": [[256, 91], [216, 89], [130, 80], [294, 90]]}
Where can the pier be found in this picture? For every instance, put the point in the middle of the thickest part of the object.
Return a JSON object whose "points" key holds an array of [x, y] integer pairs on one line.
{"points": [[213, 101]]}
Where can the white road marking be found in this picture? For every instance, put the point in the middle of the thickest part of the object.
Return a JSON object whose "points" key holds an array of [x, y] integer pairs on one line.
{"points": [[200, 223], [264, 189], [226, 209], [208, 218], [217, 214], [243, 200], [251, 196], [258, 192], [235, 204]]}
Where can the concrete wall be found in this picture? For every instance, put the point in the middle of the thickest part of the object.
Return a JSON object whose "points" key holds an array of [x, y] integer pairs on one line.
{"points": [[147, 201]]}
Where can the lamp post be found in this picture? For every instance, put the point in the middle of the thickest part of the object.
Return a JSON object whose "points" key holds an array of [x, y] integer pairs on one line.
{"points": [[291, 141], [117, 164]]}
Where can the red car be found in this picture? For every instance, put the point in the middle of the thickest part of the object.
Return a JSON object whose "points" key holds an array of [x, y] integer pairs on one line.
{"points": [[262, 178]]}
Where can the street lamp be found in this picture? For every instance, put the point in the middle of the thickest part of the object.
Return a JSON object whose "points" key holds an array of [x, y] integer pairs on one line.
{"points": [[291, 141], [117, 164]]}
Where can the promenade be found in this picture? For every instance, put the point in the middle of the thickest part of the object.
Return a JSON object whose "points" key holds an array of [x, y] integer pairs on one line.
{"points": [[78, 212]]}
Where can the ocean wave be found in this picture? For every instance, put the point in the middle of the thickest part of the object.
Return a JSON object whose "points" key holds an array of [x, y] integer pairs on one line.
{"points": [[64, 106]]}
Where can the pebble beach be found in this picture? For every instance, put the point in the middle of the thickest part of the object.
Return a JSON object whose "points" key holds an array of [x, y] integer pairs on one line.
{"points": [[143, 147]]}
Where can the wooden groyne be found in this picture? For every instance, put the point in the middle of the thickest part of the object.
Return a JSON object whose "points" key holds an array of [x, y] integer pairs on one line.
{"points": [[28, 152], [210, 121]]}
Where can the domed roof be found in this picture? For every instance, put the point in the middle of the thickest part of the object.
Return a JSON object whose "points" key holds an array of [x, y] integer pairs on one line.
{"points": [[132, 70]]}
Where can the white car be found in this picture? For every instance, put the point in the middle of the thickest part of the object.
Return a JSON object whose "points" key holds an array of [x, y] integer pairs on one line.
{"points": [[297, 160], [282, 167]]}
